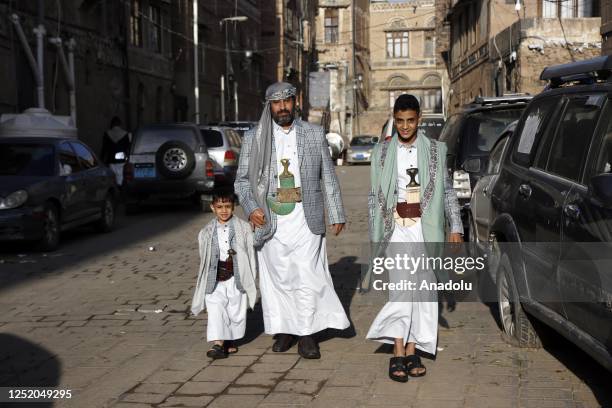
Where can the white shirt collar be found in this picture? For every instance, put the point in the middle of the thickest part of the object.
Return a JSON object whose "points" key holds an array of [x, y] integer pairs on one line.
{"points": [[278, 128]]}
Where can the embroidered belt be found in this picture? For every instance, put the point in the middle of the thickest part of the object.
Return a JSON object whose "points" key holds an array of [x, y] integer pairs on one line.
{"points": [[406, 210], [225, 270]]}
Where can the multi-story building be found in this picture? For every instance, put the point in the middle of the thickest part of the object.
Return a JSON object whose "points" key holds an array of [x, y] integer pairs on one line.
{"points": [[606, 27], [403, 59], [342, 77], [500, 47], [124, 62]]}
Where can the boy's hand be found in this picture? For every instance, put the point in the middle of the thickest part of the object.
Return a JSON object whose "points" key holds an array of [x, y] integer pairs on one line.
{"points": [[257, 217]]}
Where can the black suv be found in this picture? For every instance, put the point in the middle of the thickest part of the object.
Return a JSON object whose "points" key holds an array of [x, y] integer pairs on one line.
{"points": [[470, 134], [552, 202]]}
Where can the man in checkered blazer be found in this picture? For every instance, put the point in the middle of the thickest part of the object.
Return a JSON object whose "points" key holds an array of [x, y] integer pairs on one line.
{"points": [[298, 296]]}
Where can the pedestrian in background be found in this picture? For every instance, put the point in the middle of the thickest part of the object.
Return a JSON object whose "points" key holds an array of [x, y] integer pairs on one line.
{"points": [[226, 277], [116, 140]]}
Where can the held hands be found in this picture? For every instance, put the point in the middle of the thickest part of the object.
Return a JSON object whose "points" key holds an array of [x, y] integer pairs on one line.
{"points": [[455, 238], [257, 218], [337, 228]]}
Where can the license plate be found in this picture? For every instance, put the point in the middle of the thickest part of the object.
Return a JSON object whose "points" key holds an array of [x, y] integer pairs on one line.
{"points": [[144, 172], [359, 157]]}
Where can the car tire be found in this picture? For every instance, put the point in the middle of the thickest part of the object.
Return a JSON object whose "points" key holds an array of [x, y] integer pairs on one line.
{"points": [[175, 159], [51, 229], [515, 323], [105, 224]]}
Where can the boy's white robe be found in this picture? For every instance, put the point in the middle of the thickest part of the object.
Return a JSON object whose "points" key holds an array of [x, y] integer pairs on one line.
{"points": [[245, 258]]}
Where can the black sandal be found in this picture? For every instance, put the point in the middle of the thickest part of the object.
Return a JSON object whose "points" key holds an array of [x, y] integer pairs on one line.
{"points": [[413, 361], [216, 351], [230, 344], [396, 364]]}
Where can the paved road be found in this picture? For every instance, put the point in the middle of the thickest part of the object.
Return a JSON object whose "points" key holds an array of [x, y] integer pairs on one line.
{"points": [[107, 318]]}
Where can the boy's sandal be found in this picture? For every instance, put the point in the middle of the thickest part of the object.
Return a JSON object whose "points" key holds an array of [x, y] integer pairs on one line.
{"points": [[414, 362], [230, 345], [216, 351], [396, 364]]}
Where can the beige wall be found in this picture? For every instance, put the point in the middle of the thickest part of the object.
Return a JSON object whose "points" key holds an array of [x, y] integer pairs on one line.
{"points": [[399, 75], [606, 27]]}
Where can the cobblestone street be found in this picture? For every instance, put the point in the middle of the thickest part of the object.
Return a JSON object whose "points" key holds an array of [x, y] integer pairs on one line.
{"points": [[108, 318]]}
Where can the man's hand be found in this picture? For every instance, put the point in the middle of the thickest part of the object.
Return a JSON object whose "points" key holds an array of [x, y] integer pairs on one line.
{"points": [[455, 238], [337, 228], [257, 218]]}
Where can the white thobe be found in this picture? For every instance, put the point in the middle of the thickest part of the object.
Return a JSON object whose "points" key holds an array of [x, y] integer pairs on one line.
{"points": [[297, 291], [226, 305], [410, 318]]}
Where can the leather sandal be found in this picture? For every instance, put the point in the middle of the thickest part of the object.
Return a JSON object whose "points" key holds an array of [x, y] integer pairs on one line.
{"points": [[396, 364], [217, 351], [414, 362]]}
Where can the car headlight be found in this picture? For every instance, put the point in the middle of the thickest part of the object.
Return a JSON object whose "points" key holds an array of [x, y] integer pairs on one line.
{"points": [[14, 200]]}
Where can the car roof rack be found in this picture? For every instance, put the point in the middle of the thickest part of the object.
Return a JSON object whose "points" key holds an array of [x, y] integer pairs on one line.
{"points": [[585, 72], [498, 100]]}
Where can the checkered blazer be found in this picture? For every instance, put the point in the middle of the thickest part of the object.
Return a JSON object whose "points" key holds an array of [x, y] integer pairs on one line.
{"points": [[320, 186]]}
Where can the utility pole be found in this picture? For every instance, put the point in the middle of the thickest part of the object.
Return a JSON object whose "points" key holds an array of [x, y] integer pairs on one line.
{"points": [[196, 68], [229, 69]]}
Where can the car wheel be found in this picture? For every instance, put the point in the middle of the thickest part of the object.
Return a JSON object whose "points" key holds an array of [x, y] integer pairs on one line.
{"points": [[175, 159], [51, 229], [105, 224], [514, 321]]}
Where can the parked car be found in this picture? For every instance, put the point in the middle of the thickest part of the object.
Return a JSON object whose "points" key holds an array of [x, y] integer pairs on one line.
{"points": [[481, 213], [360, 149], [239, 126], [552, 230], [470, 134], [51, 184], [168, 161], [432, 124], [223, 146]]}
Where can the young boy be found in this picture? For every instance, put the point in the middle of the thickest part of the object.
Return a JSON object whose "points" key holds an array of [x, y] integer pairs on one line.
{"points": [[226, 277]]}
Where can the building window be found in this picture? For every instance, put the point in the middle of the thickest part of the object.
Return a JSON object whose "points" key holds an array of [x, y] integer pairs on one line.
{"points": [[331, 26], [397, 44], [155, 31], [135, 24], [431, 101], [570, 8], [428, 46]]}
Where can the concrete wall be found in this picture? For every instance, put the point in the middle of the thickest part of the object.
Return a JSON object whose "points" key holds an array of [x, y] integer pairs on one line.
{"points": [[606, 27]]}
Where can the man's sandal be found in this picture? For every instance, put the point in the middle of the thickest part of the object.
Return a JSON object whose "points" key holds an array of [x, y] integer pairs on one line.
{"points": [[216, 352], [230, 345], [414, 362], [396, 364]]}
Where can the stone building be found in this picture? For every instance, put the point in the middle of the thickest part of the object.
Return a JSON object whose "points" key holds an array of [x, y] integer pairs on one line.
{"points": [[403, 59], [495, 49], [606, 27], [343, 66]]}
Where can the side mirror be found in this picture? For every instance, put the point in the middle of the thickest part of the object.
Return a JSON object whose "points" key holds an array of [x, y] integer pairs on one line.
{"points": [[600, 187], [471, 165], [120, 156]]}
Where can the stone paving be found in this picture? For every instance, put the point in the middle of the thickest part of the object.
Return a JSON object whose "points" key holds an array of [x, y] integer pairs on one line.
{"points": [[108, 318]]}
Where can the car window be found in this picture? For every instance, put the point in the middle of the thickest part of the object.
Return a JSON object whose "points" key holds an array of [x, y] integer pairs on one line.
{"points": [[531, 129], [447, 132], [148, 140], [604, 162], [496, 154], [432, 127], [27, 159], [364, 141], [573, 137], [85, 157], [212, 138], [68, 160], [482, 129]]}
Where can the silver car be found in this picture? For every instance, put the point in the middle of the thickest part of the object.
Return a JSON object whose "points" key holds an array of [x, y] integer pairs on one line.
{"points": [[223, 145], [168, 161], [360, 149]]}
